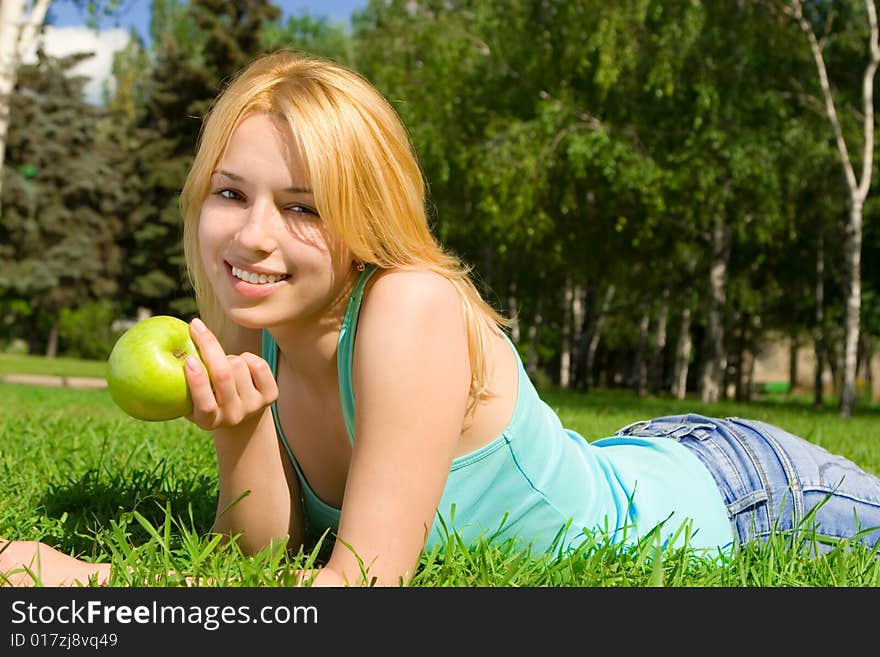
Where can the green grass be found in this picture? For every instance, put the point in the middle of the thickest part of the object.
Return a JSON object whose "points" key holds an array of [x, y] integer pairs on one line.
{"points": [[77, 473], [24, 364]]}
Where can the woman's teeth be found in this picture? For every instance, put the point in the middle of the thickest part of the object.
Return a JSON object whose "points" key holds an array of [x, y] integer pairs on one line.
{"points": [[256, 279]]}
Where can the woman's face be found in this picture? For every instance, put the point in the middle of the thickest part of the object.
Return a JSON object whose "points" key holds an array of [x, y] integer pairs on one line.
{"points": [[270, 259]]}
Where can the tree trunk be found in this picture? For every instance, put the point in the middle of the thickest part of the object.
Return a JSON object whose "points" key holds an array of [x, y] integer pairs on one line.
{"points": [[513, 311], [565, 349], [534, 327], [858, 187], [682, 355], [793, 348], [596, 334], [750, 377], [747, 328], [587, 310], [52, 342], [853, 310], [640, 370], [742, 376], [655, 375], [739, 358], [834, 360], [751, 333], [819, 329], [487, 273], [715, 356], [578, 311], [866, 357]]}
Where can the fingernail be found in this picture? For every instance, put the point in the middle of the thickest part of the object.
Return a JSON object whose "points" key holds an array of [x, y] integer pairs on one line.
{"points": [[192, 363], [198, 325]]}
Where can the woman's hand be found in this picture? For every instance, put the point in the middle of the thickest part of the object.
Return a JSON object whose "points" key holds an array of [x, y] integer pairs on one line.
{"points": [[233, 389], [29, 563]]}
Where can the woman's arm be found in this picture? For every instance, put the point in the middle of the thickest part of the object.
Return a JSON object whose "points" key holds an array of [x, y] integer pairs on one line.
{"points": [[411, 385], [259, 493]]}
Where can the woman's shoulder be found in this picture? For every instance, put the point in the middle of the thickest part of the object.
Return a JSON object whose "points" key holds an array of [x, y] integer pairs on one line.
{"points": [[403, 304], [411, 290], [411, 324]]}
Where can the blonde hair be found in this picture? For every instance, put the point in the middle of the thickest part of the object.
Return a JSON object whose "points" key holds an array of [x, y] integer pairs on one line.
{"points": [[368, 186]]}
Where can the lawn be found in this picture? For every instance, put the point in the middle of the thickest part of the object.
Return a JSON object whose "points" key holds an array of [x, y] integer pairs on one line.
{"points": [[24, 364], [79, 474]]}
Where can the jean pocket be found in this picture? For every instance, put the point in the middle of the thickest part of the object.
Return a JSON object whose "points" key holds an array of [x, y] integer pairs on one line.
{"points": [[676, 427]]}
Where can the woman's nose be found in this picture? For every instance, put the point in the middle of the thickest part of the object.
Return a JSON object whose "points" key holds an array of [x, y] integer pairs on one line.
{"points": [[257, 232]]}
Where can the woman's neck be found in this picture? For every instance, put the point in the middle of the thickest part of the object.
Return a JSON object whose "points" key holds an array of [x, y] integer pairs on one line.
{"points": [[310, 352], [309, 345]]}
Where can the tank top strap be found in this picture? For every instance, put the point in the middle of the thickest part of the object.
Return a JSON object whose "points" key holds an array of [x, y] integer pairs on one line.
{"points": [[269, 350], [345, 349], [270, 355]]}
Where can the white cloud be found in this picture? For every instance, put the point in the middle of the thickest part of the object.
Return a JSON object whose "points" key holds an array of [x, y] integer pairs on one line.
{"points": [[59, 41]]}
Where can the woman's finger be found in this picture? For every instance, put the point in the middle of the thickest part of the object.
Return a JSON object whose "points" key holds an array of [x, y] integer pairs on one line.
{"points": [[243, 404], [262, 377], [205, 407], [219, 371]]}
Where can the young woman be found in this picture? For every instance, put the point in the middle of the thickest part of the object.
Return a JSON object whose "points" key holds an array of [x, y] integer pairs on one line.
{"points": [[357, 385]]}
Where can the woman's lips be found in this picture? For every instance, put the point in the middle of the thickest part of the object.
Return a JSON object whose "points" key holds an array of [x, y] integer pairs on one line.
{"points": [[253, 290]]}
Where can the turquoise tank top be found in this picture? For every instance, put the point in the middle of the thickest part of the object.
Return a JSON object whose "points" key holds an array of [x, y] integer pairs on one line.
{"points": [[543, 485]]}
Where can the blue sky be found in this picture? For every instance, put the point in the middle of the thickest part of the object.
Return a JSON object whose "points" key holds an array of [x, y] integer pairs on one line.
{"points": [[136, 13], [68, 31]]}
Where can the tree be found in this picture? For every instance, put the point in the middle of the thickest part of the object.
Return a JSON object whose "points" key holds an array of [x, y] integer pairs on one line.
{"points": [[315, 35], [590, 157], [64, 202], [19, 26], [857, 187]]}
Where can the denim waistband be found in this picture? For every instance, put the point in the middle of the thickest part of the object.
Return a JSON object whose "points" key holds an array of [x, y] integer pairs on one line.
{"points": [[756, 477], [773, 481]]}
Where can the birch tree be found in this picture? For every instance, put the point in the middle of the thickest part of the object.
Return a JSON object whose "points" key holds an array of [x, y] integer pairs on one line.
{"points": [[20, 22], [857, 187]]}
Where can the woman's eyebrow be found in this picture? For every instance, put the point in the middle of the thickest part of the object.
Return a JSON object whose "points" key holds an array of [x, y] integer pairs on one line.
{"points": [[237, 178]]}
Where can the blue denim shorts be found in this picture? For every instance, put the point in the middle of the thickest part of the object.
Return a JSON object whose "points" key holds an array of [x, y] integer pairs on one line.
{"points": [[774, 482]]}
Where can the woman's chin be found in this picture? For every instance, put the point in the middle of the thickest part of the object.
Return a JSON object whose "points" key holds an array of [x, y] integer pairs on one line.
{"points": [[246, 319]]}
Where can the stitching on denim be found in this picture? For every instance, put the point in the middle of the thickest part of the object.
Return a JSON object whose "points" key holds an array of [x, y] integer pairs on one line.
{"points": [[794, 484], [762, 474], [747, 501], [770, 508], [716, 450]]}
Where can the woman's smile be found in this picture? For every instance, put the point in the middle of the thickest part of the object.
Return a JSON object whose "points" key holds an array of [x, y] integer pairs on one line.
{"points": [[250, 283]]}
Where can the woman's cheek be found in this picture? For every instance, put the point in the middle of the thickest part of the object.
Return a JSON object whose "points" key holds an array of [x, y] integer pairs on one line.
{"points": [[209, 243]]}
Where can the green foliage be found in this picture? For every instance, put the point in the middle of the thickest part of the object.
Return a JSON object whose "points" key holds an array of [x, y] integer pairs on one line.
{"points": [[314, 35], [130, 66], [573, 140], [86, 331], [63, 216]]}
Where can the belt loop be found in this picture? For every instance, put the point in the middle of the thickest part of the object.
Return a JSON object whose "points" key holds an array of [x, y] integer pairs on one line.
{"points": [[630, 429]]}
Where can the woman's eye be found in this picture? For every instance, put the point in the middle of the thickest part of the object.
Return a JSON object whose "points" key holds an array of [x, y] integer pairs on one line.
{"points": [[302, 210], [230, 194]]}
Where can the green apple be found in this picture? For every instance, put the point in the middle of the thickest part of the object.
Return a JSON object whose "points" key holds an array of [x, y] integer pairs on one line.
{"points": [[145, 374]]}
